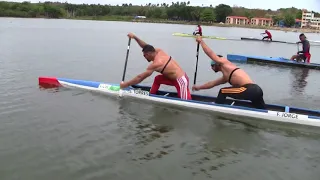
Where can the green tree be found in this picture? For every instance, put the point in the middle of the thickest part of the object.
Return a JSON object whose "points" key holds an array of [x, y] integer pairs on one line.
{"points": [[222, 11], [150, 13], [299, 14], [157, 13], [276, 19], [173, 11], [164, 14], [289, 20], [248, 14], [196, 13], [207, 15]]}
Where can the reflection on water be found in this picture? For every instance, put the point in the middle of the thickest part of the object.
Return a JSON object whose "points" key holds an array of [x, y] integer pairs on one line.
{"points": [[299, 82]]}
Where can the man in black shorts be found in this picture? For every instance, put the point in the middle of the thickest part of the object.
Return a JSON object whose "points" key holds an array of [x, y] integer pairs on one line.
{"points": [[242, 88]]}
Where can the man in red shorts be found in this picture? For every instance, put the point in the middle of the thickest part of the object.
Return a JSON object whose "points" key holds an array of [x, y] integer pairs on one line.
{"points": [[269, 36], [198, 30], [171, 73], [305, 53]]}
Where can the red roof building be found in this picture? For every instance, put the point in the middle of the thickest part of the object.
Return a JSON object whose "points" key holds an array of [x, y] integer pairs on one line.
{"points": [[237, 20], [262, 21]]}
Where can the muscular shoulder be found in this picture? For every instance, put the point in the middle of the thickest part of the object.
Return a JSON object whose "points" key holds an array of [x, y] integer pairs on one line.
{"points": [[224, 61], [154, 65], [158, 50]]}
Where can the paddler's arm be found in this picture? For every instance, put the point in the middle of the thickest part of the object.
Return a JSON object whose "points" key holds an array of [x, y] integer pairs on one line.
{"points": [[209, 52], [210, 84], [139, 78], [139, 41]]}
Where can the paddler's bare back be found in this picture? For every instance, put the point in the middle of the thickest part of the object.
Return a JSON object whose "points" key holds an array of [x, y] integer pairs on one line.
{"points": [[239, 77], [172, 70]]}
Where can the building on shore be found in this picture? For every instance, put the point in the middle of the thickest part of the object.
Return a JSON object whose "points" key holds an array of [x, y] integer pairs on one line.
{"points": [[309, 20], [296, 25], [262, 21], [240, 20]]}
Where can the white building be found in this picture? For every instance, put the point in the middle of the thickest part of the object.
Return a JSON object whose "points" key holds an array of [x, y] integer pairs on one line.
{"points": [[309, 20]]}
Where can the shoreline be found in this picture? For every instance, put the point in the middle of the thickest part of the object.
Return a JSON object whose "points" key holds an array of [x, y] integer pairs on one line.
{"points": [[164, 21], [285, 29]]}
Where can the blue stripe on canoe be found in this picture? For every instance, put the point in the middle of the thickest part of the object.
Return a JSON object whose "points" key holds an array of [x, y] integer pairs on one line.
{"points": [[275, 105], [211, 104], [228, 106], [282, 59], [203, 96], [236, 58], [287, 109], [314, 117], [278, 59], [243, 58], [93, 84]]}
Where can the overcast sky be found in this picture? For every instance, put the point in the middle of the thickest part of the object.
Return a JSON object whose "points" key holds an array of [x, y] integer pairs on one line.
{"points": [[266, 4]]}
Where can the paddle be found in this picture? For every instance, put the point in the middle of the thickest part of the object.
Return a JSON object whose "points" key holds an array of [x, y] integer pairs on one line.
{"points": [[125, 65], [195, 73], [262, 36], [298, 59], [126, 62]]}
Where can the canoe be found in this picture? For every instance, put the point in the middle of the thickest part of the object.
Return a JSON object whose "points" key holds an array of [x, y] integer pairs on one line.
{"points": [[235, 108], [272, 60], [313, 43], [256, 39], [191, 35]]}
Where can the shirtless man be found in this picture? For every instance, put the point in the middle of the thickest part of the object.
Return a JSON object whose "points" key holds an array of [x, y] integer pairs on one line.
{"points": [[171, 72], [305, 53], [242, 86]]}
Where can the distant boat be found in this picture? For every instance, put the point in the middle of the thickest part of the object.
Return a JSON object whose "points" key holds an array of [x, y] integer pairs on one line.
{"points": [[191, 35]]}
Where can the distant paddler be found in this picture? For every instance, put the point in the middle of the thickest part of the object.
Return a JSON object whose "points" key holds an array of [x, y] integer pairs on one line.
{"points": [[171, 73], [269, 36], [198, 30], [242, 87], [305, 53]]}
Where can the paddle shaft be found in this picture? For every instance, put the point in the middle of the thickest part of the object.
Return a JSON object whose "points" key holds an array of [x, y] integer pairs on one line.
{"points": [[126, 62], [195, 73]]}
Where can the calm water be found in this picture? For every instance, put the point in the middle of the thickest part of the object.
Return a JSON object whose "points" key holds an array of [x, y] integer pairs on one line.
{"points": [[68, 134]]}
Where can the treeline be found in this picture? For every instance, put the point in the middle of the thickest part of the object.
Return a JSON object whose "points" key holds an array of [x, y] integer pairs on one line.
{"points": [[175, 11]]}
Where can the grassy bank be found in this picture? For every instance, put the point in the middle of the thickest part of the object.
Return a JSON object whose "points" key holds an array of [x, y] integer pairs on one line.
{"points": [[104, 18], [150, 20]]}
